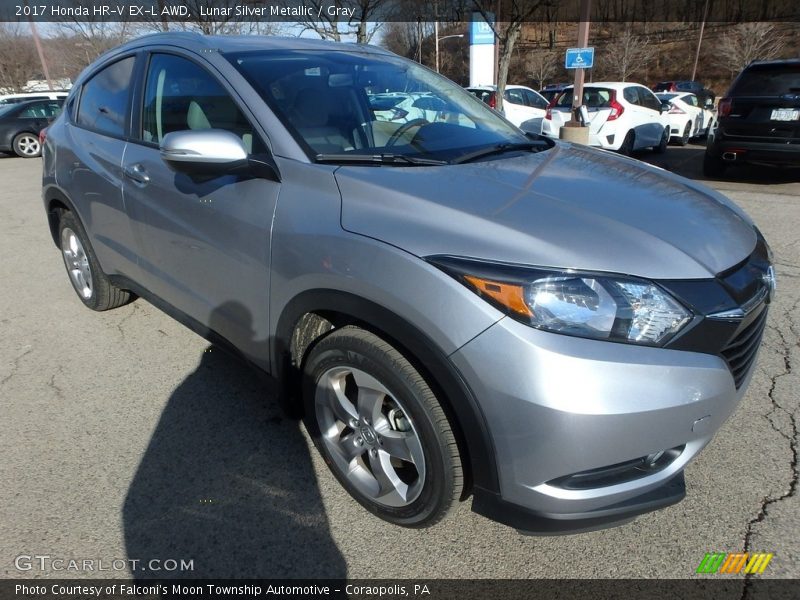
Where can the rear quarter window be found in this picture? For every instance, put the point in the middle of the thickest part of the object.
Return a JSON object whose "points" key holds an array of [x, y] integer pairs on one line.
{"points": [[104, 99]]}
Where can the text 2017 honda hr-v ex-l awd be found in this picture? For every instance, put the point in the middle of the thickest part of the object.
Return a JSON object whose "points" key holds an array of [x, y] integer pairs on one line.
{"points": [[456, 309]]}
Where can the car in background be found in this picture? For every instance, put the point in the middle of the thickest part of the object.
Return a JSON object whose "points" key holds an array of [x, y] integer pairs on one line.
{"points": [[758, 120], [687, 118], [21, 123], [549, 92], [695, 87], [522, 106], [27, 96], [622, 116]]}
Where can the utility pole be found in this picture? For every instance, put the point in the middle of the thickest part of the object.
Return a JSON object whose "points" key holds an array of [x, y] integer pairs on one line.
{"points": [[38, 45], [583, 42], [700, 41]]}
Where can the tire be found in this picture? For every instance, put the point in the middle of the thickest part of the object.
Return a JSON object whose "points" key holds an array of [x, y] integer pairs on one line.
{"points": [[713, 165], [26, 145], [662, 145], [373, 407], [687, 133], [88, 280], [626, 148]]}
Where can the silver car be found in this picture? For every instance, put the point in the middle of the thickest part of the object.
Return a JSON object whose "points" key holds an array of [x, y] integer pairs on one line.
{"points": [[457, 309]]}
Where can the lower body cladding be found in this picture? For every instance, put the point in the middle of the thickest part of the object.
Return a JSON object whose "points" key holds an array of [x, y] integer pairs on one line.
{"points": [[589, 434]]}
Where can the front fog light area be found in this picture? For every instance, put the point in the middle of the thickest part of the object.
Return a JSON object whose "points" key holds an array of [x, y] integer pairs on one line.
{"points": [[604, 308]]}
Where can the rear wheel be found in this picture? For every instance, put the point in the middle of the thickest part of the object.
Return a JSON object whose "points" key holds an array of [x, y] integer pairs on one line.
{"points": [[27, 145], [627, 144], [380, 428], [662, 145], [88, 280], [687, 132], [713, 165]]}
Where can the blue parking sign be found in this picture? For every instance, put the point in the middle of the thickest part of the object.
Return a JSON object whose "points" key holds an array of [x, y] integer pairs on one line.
{"points": [[579, 58]]}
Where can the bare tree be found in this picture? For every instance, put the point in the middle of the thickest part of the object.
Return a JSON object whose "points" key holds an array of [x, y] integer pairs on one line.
{"points": [[507, 29], [627, 53], [541, 65], [334, 24], [747, 42], [18, 60]]}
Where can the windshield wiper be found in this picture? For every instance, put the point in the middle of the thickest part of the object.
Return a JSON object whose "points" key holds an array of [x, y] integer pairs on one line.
{"points": [[499, 149], [377, 159]]}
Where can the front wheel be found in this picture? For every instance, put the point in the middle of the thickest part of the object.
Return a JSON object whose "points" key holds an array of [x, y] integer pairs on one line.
{"points": [[381, 429]]}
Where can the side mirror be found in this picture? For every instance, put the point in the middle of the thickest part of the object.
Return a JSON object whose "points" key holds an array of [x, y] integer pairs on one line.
{"points": [[665, 107], [708, 104], [203, 152]]}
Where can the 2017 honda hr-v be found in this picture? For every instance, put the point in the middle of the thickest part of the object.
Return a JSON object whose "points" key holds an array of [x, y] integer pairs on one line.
{"points": [[456, 308]]}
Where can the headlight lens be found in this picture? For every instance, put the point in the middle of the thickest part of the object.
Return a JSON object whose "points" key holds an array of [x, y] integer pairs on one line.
{"points": [[586, 305]]}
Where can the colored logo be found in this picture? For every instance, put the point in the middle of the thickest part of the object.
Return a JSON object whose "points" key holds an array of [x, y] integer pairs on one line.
{"points": [[735, 562]]}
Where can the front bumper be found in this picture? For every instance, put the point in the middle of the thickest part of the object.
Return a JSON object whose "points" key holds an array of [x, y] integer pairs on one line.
{"points": [[559, 407]]}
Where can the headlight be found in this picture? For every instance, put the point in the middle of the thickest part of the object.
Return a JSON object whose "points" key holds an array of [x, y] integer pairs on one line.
{"points": [[604, 307]]}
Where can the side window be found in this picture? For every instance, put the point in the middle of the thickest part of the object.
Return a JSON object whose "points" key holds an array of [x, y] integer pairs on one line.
{"points": [[179, 95], [648, 99], [630, 95], [515, 96], [34, 111], [104, 99], [534, 100], [691, 100]]}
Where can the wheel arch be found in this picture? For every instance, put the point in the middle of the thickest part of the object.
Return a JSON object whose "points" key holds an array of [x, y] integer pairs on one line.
{"points": [[339, 308], [55, 201]]}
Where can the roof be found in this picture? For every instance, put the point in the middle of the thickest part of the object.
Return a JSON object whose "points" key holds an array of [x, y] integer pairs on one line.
{"points": [[614, 85], [244, 43]]}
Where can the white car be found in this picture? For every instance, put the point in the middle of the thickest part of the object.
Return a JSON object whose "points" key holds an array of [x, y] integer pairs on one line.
{"points": [[25, 96], [622, 116], [522, 106], [687, 117]]}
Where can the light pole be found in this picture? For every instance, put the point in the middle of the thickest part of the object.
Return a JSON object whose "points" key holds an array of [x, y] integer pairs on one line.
{"points": [[438, 39]]}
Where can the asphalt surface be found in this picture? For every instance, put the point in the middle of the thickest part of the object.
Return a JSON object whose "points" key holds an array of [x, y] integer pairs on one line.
{"points": [[125, 436]]}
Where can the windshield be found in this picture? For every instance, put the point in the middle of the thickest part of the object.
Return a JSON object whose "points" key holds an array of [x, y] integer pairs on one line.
{"points": [[352, 103]]}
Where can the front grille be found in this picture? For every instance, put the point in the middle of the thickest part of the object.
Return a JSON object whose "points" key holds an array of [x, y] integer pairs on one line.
{"points": [[741, 350]]}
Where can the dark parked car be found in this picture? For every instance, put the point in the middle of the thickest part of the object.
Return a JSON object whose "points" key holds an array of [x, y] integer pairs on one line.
{"points": [[758, 119], [705, 95], [21, 123]]}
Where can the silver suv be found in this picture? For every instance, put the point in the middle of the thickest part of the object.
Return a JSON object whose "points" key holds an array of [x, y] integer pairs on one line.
{"points": [[455, 308]]}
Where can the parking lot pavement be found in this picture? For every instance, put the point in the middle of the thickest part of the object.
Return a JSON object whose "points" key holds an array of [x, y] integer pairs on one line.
{"points": [[125, 436]]}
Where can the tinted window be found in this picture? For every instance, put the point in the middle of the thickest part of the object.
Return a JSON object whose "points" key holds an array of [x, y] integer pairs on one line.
{"points": [[648, 99], [691, 100], [41, 110], [534, 100], [631, 95], [768, 81], [515, 96], [592, 97], [180, 95], [104, 98]]}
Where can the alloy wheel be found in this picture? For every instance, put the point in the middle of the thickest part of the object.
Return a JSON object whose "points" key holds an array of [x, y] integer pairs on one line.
{"points": [[80, 272]]}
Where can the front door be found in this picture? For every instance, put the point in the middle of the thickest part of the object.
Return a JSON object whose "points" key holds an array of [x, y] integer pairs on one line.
{"points": [[206, 241]]}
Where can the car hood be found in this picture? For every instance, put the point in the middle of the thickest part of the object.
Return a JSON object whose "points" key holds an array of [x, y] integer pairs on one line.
{"points": [[567, 207]]}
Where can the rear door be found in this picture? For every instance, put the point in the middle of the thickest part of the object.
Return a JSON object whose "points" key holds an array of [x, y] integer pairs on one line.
{"points": [[206, 240], [653, 121], [90, 164], [765, 105]]}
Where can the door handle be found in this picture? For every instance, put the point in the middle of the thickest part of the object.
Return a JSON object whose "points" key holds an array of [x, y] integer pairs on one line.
{"points": [[137, 173]]}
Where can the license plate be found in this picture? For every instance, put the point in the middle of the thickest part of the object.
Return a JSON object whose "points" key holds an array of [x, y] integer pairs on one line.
{"points": [[785, 114]]}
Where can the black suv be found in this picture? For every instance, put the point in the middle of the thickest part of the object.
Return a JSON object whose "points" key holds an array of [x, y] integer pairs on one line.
{"points": [[758, 119]]}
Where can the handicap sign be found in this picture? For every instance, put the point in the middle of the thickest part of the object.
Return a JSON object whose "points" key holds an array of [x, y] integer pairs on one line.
{"points": [[579, 58]]}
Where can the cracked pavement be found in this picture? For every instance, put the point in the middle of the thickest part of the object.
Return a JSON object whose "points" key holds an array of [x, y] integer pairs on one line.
{"points": [[102, 413]]}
